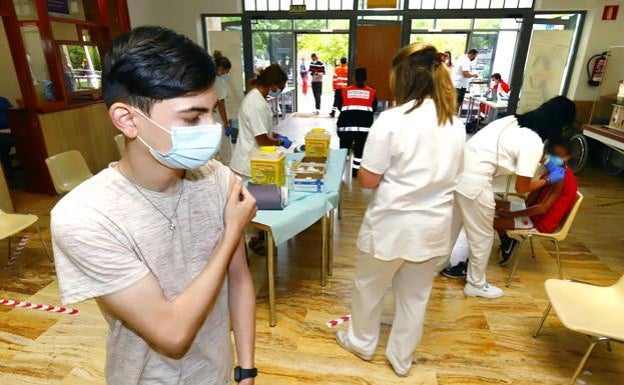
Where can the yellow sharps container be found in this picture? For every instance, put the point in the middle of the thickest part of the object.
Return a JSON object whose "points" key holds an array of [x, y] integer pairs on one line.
{"points": [[268, 166], [317, 143]]}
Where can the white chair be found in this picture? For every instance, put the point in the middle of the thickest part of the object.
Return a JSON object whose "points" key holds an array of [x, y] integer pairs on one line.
{"points": [[11, 224], [596, 311], [120, 141], [556, 237], [68, 170]]}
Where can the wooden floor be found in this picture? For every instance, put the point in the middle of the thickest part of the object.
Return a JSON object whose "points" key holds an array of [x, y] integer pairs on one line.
{"points": [[466, 340]]}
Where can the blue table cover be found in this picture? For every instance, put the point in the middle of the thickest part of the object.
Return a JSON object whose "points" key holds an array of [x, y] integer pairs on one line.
{"points": [[305, 209]]}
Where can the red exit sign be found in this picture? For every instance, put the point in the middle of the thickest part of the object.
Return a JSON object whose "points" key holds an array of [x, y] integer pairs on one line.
{"points": [[610, 12]]}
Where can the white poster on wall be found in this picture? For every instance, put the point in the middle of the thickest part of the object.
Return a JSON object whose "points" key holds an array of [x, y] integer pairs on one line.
{"points": [[545, 68]]}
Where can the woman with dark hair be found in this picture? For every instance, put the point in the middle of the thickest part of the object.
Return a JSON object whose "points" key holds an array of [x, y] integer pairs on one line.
{"points": [[255, 118], [224, 66], [449, 59], [510, 145]]}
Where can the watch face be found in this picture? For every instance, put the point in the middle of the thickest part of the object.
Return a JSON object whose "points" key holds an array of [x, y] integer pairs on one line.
{"points": [[237, 374]]}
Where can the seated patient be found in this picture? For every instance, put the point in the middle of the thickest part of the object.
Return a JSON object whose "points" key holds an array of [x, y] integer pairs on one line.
{"points": [[544, 209]]}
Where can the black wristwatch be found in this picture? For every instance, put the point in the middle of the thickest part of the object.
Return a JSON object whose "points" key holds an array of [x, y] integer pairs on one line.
{"points": [[241, 374]]}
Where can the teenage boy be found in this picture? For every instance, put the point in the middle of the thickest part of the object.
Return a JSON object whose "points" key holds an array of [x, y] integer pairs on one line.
{"points": [[156, 238], [545, 209]]}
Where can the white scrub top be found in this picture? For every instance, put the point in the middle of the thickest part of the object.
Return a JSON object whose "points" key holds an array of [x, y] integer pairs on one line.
{"points": [[463, 64], [411, 212], [221, 92], [254, 118], [502, 147]]}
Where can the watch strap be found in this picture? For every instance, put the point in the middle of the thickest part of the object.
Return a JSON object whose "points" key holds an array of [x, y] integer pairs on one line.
{"points": [[241, 374]]}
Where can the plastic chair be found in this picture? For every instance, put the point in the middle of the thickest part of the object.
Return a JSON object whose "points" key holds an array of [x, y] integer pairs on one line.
{"points": [[556, 237], [578, 305], [11, 224], [120, 141], [68, 170]]}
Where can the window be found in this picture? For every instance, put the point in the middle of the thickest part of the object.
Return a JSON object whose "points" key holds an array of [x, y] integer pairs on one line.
{"points": [[469, 4], [63, 47], [311, 5]]}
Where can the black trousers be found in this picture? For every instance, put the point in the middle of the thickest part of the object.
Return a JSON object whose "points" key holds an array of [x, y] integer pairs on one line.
{"points": [[461, 92], [317, 90], [336, 97], [354, 140]]}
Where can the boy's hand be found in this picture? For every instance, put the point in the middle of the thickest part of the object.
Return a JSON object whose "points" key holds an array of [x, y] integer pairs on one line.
{"points": [[247, 381], [240, 209]]}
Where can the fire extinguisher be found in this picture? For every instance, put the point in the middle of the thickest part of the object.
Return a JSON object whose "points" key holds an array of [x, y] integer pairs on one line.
{"points": [[595, 77]]}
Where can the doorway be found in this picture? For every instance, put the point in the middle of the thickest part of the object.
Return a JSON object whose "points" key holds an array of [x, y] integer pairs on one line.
{"points": [[286, 42], [330, 48]]}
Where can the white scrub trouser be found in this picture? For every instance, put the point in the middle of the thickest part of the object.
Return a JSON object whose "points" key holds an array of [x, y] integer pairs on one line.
{"points": [[411, 284], [477, 217]]}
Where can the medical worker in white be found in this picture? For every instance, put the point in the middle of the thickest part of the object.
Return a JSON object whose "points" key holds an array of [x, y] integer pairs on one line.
{"points": [[510, 145], [255, 118], [412, 158], [223, 76]]}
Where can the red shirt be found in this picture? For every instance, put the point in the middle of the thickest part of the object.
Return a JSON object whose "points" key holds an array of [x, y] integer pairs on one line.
{"points": [[550, 221], [504, 86]]}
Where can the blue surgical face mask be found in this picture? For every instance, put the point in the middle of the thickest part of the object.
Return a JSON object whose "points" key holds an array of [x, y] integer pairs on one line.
{"points": [[191, 146], [225, 77], [275, 94], [555, 160]]}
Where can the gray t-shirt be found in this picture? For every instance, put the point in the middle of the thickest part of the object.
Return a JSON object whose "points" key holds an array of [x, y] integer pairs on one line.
{"points": [[106, 237]]}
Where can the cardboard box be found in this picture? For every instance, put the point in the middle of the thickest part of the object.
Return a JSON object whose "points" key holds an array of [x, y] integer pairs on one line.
{"points": [[309, 181]]}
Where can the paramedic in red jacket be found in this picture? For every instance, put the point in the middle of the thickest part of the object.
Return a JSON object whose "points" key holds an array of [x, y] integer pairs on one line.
{"points": [[357, 104], [340, 81], [545, 209]]}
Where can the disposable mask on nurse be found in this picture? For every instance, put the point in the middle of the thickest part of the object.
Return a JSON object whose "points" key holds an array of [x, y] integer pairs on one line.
{"points": [[191, 146]]}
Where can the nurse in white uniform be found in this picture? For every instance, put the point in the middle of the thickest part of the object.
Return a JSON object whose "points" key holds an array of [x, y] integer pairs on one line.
{"points": [[510, 145], [223, 75], [255, 118], [412, 158]]}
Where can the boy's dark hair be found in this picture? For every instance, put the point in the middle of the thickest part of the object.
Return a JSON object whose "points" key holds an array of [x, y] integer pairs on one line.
{"points": [[314, 55], [473, 51], [150, 64], [549, 119], [343, 60], [496, 76], [559, 142]]}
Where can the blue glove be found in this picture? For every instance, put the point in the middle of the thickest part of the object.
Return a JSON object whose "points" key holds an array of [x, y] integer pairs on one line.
{"points": [[553, 162], [286, 143], [556, 175], [228, 130]]}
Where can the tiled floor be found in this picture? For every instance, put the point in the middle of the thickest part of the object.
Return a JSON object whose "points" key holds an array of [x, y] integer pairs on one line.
{"points": [[466, 340]]}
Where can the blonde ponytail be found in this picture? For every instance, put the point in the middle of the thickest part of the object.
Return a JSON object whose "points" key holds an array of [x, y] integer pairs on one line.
{"points": [[444, 95], [417, 72]]}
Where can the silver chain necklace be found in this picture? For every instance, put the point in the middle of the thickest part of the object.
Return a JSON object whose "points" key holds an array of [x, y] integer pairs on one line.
{"points": [[172, 225]]}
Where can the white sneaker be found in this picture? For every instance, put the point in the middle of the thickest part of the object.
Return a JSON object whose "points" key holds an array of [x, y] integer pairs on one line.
{"points": [[316, 112], [487, 291], [343, 341]]}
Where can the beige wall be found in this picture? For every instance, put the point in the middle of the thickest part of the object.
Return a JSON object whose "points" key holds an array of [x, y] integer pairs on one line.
{"points": [[598, 35], [183, 16], [9, 87]]}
